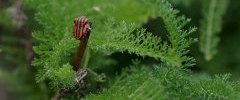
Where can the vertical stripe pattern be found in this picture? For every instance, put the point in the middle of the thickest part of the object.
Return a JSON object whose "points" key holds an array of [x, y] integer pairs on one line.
{"points": [[81, 27]]}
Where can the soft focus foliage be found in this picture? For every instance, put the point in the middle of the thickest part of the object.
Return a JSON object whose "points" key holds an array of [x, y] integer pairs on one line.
{"points": [[213, 11]]}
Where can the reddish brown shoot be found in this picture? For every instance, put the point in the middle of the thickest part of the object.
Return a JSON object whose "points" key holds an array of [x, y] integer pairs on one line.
{"points": [[81, 31]]}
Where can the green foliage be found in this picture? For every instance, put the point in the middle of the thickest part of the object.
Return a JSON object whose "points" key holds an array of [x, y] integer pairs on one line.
{"points": [[135, 86], [56, 44], [182, 2], [213, 11], [118, 28], [217, 88], [63, 77], [162, 83], [177, 36]]}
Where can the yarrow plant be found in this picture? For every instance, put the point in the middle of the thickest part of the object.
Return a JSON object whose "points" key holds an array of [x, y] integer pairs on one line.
{"points": [[117, 28]]}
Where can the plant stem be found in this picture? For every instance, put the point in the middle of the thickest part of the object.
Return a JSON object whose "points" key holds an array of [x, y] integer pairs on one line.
{"points": [[80, 52], [86, 58]]}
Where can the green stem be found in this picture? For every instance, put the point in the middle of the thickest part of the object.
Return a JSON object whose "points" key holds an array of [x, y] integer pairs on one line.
{"points": [[86, 58], [92, 72]]}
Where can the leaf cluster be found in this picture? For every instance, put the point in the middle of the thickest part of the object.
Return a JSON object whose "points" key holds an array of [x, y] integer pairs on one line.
{"points": [[159, 82], [56, 45]]}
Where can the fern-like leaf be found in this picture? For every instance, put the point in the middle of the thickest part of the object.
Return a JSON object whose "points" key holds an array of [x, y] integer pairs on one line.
{"points": [[213, 11]]}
